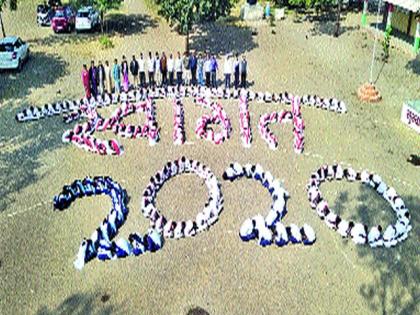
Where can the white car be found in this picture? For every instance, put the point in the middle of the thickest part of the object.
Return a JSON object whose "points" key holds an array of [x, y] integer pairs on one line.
{"points": [[13, 53], [87, 19]]}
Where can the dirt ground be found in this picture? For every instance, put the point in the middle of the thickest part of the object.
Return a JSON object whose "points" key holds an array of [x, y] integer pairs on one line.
{"points": [[213, 273]]}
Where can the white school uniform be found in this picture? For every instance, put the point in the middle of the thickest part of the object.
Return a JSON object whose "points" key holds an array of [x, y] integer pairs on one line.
{"points": [[171, 64], [141, 65], [151, 65], [178, 65], [375, 237]]}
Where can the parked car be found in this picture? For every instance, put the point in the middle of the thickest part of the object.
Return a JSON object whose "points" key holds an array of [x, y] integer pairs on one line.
{"points": [[13, 53], [87, 19], [64, 19], [45, 12]]}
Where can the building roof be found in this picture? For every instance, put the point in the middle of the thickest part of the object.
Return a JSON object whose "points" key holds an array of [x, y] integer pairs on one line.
{"points": [[411, 5]]}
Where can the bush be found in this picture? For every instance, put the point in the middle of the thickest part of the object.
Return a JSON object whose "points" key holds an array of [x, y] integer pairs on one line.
{"points": [[106, 42], [386, 42]]}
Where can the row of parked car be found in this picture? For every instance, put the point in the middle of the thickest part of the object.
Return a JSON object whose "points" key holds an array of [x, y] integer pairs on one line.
{"points": [[66, 19], [14, 52]]}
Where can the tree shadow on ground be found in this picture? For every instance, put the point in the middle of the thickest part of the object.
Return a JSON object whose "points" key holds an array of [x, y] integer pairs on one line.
{"points": [[396, 271], [115, 25], [197, 311], [21, 147], [40, 70], [83, 304], [325, 24], [222, 38], [324, 21], [414, 65]]}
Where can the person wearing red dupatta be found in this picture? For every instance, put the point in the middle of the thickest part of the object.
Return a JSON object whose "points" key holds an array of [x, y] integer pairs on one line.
{"points": [[85, 81]]}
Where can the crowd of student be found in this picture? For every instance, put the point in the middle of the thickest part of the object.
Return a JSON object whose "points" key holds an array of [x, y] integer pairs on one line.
{"points": [[359, 232], [100, 244], [217, 116], [72, 108], [204, 219], [161, 70], [82, 135], [268, 230]]}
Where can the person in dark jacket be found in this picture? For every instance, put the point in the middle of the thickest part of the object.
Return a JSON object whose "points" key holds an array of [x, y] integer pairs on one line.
{"points": [[243, 68], [93, 78], [193, 68], [134, 69], [236, 71]]}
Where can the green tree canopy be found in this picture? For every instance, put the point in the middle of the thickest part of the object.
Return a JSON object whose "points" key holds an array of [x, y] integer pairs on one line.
{"points": [[188, 12]]}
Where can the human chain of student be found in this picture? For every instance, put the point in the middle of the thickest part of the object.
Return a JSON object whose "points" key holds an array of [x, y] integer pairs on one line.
{"points": [[82, 134], [74, 108], [267, 230]]}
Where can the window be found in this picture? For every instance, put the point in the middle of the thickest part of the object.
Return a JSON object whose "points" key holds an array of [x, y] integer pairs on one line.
{"points": [[6, 48], [83, 14], [59, 14]]}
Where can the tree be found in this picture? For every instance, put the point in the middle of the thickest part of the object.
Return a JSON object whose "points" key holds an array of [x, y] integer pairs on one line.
{"points": [[104, 6], [12, 6], [188, 12], [337, 25]]}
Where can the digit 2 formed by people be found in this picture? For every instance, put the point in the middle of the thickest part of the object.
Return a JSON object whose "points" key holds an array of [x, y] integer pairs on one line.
{"points": [[266, 230]]}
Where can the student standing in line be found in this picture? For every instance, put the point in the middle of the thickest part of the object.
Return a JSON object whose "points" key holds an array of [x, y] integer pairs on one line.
{"points": [[178, 69], [171, 67], [200, 69], [207, 69], [93, 78], [101, 77], [125, 70], [164, 69], [214, 68], [134, 69], [85, 81], [236, 70], [186, 67], [157, 69], [151, 69], [142, 71], [116, 75], [108, 77], [243, 67], [193, 68], [228, 67]]}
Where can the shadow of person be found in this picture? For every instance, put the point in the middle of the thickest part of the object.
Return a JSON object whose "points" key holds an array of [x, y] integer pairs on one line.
{"points": [[82, 304], [222, 38], [41, 69], [394, 289]]}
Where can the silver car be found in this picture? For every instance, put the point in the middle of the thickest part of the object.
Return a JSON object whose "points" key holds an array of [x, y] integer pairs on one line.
{"points": [[87, 19], [13, 53]]}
